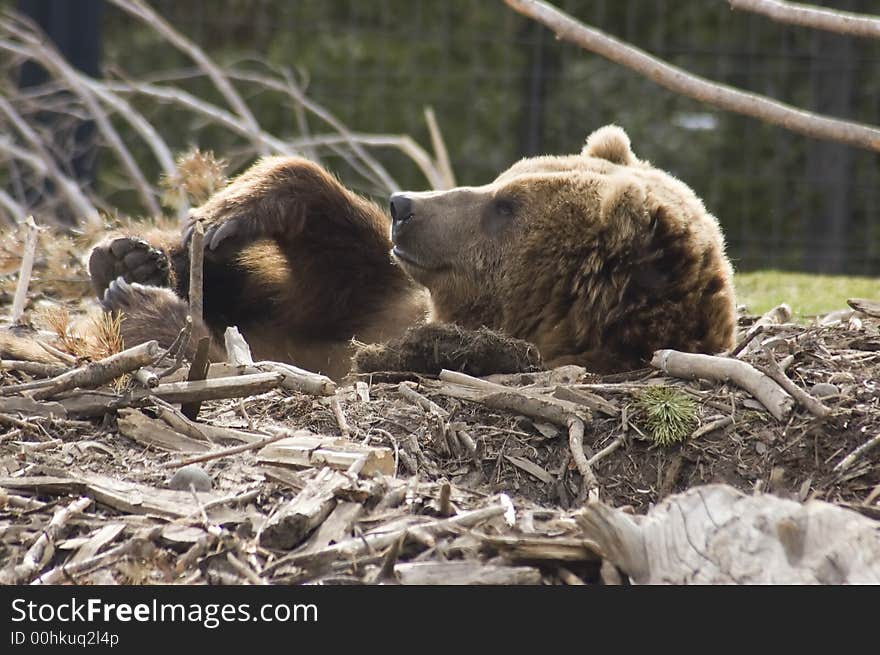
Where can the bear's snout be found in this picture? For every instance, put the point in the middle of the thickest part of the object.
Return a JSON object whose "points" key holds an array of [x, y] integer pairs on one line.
{"points": [[401, 209]]}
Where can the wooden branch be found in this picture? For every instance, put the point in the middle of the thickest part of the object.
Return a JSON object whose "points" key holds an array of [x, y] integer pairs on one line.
{"points": [[812, 405], [77, 201], [850, 459], [32, 368], [198, 370], [496, 396], [87, 404], [441, 155], [351, 548], [299, 379], [409, 393], [868, 307], [196, 266], [41, 552], [139, 546], [803, 15], [226, 452], [24, 272], [146, 14], [575, 444], [723, 369], [56, 64], [260, 139], [97, 373], [693, 86]]}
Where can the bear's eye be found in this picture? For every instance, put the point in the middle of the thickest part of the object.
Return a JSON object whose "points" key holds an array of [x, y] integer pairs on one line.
{"points": [[504, 207]]}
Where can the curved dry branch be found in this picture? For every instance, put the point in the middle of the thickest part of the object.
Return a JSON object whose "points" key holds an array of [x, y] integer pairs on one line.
{"points": [[69, 189], [125, 111], [820, 18], [145, 13], [58, 66], [678, 80], [259, 138], [301, 99]]}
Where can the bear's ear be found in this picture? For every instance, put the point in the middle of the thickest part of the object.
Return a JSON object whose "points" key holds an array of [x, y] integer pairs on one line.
{"points": [[610, 143]]}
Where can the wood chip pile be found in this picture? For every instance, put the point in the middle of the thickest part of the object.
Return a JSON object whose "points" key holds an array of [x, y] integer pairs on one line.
{"points": [[140, 468]]}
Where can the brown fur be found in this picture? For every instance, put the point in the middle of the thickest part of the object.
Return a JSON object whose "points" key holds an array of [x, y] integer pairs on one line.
{"points": [[596, 258]]}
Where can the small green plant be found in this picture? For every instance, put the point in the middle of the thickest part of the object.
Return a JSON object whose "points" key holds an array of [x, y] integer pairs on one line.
{"points": [[669, 414]]}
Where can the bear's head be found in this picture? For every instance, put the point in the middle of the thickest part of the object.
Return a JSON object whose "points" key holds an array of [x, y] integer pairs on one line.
{"points": [[598, 258]]}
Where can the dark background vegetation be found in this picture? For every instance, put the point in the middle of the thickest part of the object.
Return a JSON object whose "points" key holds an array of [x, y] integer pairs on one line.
{"points": [[503, 87]]}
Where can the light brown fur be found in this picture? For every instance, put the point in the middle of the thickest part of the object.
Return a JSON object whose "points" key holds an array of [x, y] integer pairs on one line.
{"points": [[596, 258]]}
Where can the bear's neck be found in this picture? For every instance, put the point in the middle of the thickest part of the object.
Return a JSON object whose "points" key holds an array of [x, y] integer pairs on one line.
{"points": [[481, 310]]}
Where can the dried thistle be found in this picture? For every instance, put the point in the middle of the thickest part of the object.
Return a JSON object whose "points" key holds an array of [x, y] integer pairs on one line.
{"points": [[199, 175], [107, 334], [669, 415], [57, 318]]}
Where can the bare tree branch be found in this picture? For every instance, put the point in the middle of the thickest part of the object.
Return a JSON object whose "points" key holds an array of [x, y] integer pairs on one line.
{"points": [[795, 13], [145, 13], [693, 86], [78, 202], [56, 64]]}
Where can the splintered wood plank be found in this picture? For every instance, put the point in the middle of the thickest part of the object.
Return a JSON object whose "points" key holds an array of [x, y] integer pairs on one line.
{"points": [[133, 424], [465, 573], [868, 307], [530, 467], [293, 523], [94, 544], [305, 449], [559, 549], [335, 528], [127, 497]]}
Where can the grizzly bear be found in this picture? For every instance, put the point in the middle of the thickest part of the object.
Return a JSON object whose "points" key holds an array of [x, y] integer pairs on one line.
{"points": [[597, 259]]}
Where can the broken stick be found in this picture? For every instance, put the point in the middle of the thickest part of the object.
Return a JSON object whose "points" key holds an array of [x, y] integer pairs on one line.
{"points": [[97, 373], [723, 369]]}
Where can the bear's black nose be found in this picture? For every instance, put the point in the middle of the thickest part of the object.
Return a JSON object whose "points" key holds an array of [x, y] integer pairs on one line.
{"points": [[401, 208]]}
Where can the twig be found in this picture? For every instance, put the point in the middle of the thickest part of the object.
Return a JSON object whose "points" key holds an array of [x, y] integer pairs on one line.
{"points": [[249, 574], [793, 13], [409, 393], [198, 370], [196, 259], [722, 369], [180, 345], [67, 572], [340, 417], [24, 273], [351, 548], [97, 373], [44, 547], [226, 452], [576, 445], [56, 64], [850, 459], [60, 354], [86, 403], [441, 155], [607, 450], [812, 405], [69, 189], [32, 368], [145, 13], [753, 332], [496, 396], [712, 426], [693, 86]]}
